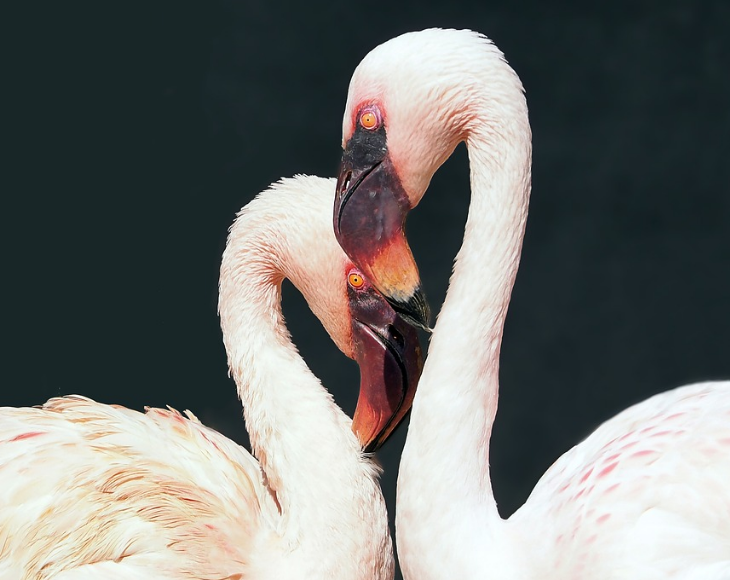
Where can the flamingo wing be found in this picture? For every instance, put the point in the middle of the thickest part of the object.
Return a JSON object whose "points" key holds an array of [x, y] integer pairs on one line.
{"points": [[93, 487], [647, 489]]}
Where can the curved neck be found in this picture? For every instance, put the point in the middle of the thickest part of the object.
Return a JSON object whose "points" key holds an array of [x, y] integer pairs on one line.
{"points": [[446, 456], [302, 439]]}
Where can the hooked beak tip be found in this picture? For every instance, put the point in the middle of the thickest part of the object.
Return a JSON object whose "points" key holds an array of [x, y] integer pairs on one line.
{"points": [[415, 309]]}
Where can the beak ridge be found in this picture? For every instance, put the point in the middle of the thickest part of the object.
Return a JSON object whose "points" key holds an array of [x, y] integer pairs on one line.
{"points": [[369, 223], [388, 352]]}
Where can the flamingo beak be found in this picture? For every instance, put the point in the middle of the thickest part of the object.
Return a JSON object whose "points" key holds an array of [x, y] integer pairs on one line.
{"points": [[369, 221], [390, 359]]}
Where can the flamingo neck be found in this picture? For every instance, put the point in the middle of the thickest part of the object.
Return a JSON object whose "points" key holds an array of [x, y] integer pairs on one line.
{"points": [[446, 455], [310, 458]]}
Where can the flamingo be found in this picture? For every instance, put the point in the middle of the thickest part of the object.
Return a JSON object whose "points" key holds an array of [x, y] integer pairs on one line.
{"points": [[647, 494], [98, 491]]}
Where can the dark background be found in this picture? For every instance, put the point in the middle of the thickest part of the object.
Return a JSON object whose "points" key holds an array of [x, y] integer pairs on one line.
{"points": [[137, 130]]}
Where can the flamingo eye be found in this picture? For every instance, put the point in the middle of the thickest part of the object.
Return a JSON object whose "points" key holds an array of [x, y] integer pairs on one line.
{"points": [[369, 119], [355, 279]]}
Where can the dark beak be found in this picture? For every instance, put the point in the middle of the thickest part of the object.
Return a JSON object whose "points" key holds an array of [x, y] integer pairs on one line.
{"points": [[369, 222], [390, 359]]}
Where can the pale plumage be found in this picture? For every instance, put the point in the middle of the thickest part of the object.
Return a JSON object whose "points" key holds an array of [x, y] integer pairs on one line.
{"points": [[99, 491], [648, 488], [646, 495], [96, 491]]}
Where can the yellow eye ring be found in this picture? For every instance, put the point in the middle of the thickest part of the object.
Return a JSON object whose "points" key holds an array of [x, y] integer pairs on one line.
{"points": [[369, 120], [355, 280]]}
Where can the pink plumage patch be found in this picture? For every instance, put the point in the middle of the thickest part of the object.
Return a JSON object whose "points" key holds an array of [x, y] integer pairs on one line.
{"points": [[27, 435], [608, 469], [643, 453], [586, 475]]}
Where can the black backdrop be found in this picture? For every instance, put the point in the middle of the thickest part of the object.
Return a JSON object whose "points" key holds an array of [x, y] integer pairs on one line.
{"points": [[137, 130]]}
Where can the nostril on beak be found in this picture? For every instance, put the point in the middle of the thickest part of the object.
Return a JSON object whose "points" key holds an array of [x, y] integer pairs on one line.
{"points": [[396, 336], [346, 182]]}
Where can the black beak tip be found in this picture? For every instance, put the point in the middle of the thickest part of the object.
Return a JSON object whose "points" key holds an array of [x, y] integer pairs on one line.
{"points": [[415, 310], [372, 447]]}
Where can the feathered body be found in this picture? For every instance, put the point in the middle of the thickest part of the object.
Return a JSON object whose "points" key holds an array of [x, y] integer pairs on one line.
{"points": [[101, 491], [89, 490], [645, 495]]}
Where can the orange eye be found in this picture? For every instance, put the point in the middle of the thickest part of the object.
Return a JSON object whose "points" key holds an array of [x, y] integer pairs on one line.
{"points": [[355, 280], [369, 120]]}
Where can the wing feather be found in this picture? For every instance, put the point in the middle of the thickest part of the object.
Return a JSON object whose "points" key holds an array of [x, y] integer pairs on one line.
{"points": [[648, 488], [87, 484]]}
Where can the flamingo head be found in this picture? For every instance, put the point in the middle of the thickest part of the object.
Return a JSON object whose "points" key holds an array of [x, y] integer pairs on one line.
{"points": [[388, 352], [291, 224], [410, 102], [367, 329]]}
